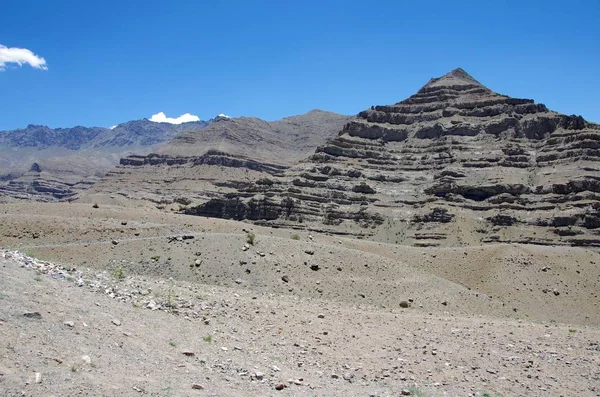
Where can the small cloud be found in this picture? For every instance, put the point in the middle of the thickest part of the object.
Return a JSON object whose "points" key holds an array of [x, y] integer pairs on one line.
{"points": [[20, 56], [160, 117], [112, 127]]}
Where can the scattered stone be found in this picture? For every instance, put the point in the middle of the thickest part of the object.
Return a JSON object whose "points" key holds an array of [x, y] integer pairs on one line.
{"points": [[314, 267], [406, 392], [69, 324], [348, 376], [445, 303], [259, 375], [114, 242], [285, 279], [310, 252], [86, 359], [38, 377], [280, 386], [189, 353], [116, 322], [198, 262], [321, 315], [152, 305], [197, 386], [555, 292], [404, 304], [34, 315]]}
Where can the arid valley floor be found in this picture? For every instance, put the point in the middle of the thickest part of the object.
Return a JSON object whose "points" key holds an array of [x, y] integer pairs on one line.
{"points": [[146, 302]]}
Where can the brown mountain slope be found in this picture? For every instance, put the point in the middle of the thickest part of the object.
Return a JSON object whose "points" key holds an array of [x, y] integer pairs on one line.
{"points": [[217, 160], [283, 142]]}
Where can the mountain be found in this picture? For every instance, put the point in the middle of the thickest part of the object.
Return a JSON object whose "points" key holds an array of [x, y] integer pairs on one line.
{"points": [[130, 134], [48, 163], [283, 141], [454, 164], [215, 160]]}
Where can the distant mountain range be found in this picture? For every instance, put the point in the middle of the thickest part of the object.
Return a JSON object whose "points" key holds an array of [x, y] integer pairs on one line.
{"points": [[43, 163], [137, 133]]}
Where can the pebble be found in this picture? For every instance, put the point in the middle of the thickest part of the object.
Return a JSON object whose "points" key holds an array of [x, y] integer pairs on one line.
{"points": [[69, 324], [197, 386], [116, 322], [280, 386], [34, 315], [259, 375], [152, 305]]}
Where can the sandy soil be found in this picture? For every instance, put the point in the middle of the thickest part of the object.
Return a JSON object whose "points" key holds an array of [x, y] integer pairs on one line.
{"points": [[492, 320]]}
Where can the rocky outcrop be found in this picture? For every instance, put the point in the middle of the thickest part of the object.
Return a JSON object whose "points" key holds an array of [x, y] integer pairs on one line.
{"points": [[212, 157], [456, 163]]}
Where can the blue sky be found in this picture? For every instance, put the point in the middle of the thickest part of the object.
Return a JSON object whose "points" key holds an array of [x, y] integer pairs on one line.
{"points": [[114, 61]]}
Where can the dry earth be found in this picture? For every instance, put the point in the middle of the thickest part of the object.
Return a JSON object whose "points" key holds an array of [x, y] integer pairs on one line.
{"points": [[318, 314]]}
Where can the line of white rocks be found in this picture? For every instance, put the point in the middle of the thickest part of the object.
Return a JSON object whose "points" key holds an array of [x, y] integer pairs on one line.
{"points": [[125, 289]]}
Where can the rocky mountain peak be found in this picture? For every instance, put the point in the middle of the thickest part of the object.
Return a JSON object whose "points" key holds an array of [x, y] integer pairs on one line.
{"points": [[456, 77]]}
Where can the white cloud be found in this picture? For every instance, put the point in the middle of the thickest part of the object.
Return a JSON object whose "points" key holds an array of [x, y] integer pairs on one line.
{"points": [[20, 56], [112, 127], [160, 117]]}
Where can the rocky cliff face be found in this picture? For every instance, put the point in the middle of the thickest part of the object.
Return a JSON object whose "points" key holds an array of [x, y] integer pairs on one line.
{"points": [[455, 163]]}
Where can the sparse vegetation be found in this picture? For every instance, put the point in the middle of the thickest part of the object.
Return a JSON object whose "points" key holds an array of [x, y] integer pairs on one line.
{"points": [[172, 343], [170, 295], [118, 273], [416, 391], [295, 237], [572, 330], [491, 394], [155, 258], [73, 368], [251, 238], [207, 339]]}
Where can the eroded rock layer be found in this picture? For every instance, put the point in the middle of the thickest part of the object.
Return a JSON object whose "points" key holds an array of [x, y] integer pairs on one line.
{"points": [[455, 163]]}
